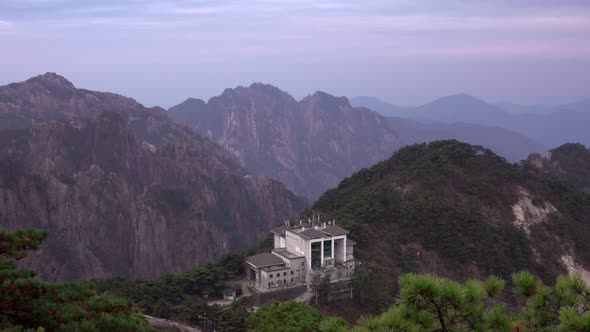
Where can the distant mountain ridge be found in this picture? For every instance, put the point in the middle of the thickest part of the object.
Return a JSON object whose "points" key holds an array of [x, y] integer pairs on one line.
{"points": [[382, 107], [551, 126], [509, 144], [122, 189], [309, 145]]}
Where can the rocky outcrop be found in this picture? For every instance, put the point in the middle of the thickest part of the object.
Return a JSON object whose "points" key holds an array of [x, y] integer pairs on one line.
{"points": [[309, 145], [527, 213], [570, 162], [123, 193]]}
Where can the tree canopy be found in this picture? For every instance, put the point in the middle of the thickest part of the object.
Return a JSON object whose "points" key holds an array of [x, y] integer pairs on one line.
{"points": [[292, 316], [27, 303], [431, 303]]}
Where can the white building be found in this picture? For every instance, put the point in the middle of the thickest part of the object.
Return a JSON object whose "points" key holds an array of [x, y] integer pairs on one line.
{"points": [[299, 252]]}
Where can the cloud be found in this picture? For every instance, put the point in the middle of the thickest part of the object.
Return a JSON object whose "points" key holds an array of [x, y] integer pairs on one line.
{"points": [[508, 50], [5, 26]]}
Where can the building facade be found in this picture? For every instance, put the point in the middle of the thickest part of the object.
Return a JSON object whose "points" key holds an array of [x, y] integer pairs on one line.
{"points": [[300, 252]]}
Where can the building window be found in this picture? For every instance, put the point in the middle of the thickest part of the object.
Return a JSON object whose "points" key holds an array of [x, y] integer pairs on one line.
{"points": [[284, 273], [292, 272], [302, 263], [291, 279], [270, 275], [269, 285]]}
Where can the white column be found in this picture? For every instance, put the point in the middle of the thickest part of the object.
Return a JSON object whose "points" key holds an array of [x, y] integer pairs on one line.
{"points": [[308, 257], [333, 248], [322, 253]]}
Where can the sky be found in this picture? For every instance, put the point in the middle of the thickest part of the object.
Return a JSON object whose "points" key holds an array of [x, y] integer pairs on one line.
{"points": [[407, 52]]}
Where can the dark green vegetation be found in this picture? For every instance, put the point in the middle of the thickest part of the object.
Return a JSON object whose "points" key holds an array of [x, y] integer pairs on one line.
{"points": [[293, 317], [428, 303], [431, 303], [28, 304], [447, 208]]}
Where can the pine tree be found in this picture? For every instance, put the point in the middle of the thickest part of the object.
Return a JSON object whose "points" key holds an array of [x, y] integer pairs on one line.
{"points": [[27, 303]]}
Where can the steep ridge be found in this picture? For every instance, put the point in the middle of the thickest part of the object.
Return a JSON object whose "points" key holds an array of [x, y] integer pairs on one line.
{"points": [[123, 190], [460, 211], [309, 145], [52, 97]]}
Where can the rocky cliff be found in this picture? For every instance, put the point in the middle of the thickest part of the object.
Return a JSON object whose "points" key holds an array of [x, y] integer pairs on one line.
{"points": [[309, 145], [122, 190]]}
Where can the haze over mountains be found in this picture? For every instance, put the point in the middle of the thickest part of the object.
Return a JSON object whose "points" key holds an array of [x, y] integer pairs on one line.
{"points": [[310, 145], [118, 184], [548, 125]]}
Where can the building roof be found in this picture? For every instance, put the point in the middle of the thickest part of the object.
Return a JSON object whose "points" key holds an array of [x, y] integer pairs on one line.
{"points": [[350, 242], [312, 233], [280, 230], [285, 253], [334, 230], [295, 227], [264, 259]]}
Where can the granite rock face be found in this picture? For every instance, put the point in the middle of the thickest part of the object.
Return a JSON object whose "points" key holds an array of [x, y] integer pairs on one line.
{"points": [[123, 190], [309, 145]]}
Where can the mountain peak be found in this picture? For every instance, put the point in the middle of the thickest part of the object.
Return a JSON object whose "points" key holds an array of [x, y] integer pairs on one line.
{"points": [[263, 86], [52, 79], [322, 96], [462, 106], [461, 97], [256, 88]]}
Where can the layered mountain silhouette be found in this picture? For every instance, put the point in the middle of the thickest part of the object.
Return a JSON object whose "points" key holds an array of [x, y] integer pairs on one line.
{"points": [[551, 126], [122, 189], [507, 143]]}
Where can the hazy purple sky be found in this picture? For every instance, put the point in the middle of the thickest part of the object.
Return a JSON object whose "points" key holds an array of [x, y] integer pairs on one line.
{"points": [[406, 52]]}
